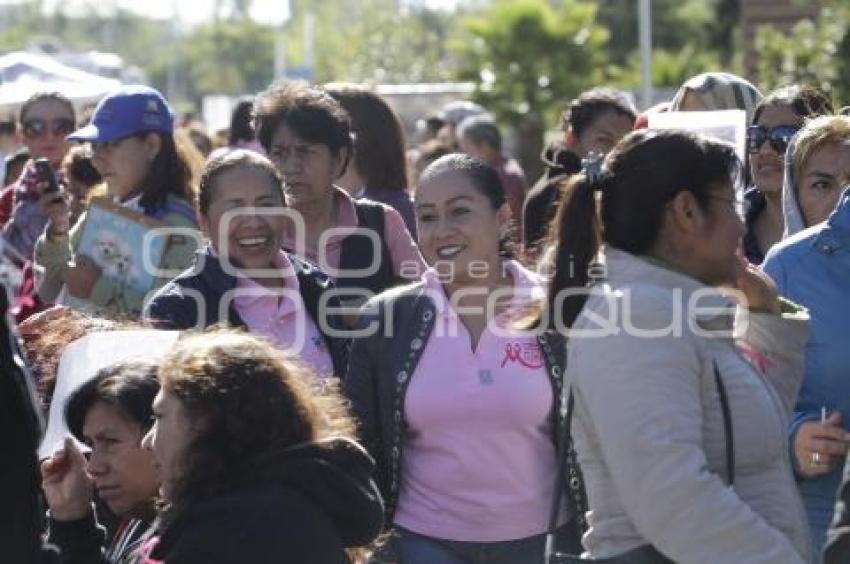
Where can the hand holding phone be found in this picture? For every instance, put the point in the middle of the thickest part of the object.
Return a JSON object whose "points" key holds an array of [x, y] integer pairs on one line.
{"points": [[53, 199], [46, 177]]}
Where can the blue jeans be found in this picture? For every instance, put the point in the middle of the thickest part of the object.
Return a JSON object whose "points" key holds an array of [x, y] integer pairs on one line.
{"points": [[412, 548]]}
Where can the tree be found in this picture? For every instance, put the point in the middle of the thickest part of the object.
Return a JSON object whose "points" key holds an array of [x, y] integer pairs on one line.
{"points": [[812, 53], [526, 57], [229, 57], [371, 41]]}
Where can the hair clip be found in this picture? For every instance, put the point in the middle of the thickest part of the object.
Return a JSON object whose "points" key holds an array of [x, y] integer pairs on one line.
{"points": [[591, 167]]}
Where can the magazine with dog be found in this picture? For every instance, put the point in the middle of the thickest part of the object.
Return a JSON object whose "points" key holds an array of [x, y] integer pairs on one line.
{"points": [[121, 242]]}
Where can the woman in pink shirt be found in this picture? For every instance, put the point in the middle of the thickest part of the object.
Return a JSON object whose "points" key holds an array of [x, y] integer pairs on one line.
{"points": [[243, 278], [363, 245], [461, 408]]}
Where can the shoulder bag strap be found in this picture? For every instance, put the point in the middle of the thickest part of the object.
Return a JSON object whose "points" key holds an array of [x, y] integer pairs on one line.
{"points": [[568, 464], [727, 427]]}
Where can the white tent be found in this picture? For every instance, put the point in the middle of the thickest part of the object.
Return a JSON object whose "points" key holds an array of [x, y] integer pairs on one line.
{"points": [[22, 74]]}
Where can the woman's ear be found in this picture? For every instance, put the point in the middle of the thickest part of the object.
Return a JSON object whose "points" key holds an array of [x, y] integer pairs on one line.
{"points": [[685, 213]]}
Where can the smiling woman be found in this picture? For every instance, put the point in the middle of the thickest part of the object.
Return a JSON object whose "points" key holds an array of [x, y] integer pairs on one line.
{"points": [[242, 277], [460, 408]]}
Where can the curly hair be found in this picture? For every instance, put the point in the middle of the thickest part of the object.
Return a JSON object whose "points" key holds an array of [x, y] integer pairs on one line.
{"points": [[45, 336], [249, 400], [583, 111], [310, 112]]}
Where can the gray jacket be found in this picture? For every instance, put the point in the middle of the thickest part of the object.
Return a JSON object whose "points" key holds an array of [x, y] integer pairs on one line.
{"points": [[648, 423]]}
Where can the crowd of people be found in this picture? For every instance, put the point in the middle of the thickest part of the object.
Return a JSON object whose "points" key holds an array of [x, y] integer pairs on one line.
{"points": [[408, 353]]}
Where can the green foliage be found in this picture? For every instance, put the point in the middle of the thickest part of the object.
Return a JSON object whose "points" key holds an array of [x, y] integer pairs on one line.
{"points": [[369, 41], [670, 68], [703, 25], [229, 57], [526, 56], [809, 53]]}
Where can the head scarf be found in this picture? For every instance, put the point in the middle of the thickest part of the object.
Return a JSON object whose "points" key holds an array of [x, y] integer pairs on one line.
{"points": [[721, 91]]}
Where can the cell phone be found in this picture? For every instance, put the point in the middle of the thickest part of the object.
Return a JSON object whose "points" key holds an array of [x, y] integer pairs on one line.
{"points": [[45, 174]]}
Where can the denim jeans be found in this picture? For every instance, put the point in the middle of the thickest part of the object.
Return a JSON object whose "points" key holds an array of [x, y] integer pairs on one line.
{"points": [[412, 548]]}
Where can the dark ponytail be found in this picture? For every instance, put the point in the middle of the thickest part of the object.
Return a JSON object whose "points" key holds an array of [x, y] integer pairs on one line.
{"points": [[576, 236], [644, 172]]}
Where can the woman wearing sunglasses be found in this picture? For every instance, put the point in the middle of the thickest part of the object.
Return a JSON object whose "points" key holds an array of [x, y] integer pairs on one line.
{"points": [[132, 143], [45, 119], [775, 121]]}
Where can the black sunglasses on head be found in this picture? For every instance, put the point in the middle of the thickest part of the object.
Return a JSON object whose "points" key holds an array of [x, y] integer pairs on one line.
{"points": [[778, 136], [37, 127]]}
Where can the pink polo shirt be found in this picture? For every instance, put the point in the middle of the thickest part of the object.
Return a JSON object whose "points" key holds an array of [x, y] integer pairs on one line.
{"points": [[479, 461], [407, 261], [281, 317]]}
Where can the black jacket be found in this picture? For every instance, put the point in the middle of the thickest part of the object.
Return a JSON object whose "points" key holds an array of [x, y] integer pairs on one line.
{"points": [[381, 366], [299, 505], [83, 541], [754, 205], [21, 513], [176, 305], [541, 201]]}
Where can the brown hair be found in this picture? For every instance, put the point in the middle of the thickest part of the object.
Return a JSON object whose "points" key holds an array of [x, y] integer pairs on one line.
{"points": [[250, 400], [237, 158], [646, 170], [45, 336], [310, 112], [379, 139], [805, 101], [129, 387], [583, 111], [41, 97], [169, 173]]}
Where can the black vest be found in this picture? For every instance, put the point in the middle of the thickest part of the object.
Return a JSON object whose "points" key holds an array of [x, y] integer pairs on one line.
{"points": [[358, 252]]}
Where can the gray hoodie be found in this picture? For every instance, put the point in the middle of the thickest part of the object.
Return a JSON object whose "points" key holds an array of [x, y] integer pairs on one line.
{"points": [[794, 221]]}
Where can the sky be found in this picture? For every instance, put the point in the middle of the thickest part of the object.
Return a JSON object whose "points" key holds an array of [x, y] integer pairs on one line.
{"points": [[273, 12]]}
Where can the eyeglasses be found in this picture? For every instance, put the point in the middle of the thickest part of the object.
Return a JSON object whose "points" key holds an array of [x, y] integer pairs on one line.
{"points": [[778, 136], [37, 127]]}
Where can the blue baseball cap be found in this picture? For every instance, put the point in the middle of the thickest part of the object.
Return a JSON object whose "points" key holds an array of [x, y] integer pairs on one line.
{"points": [[126, 111]]}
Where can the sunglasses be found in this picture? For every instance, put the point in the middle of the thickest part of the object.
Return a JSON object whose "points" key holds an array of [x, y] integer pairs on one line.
{"points": [[37, 127], [778, 136]]}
